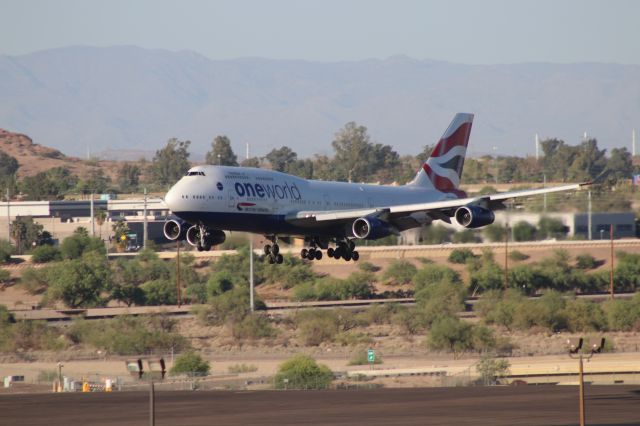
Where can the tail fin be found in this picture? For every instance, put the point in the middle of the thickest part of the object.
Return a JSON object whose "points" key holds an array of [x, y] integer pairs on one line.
{"points": [[443, 169]]}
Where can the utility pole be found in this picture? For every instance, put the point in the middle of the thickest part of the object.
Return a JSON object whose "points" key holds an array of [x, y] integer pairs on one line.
{"points": [[544, 185], [252, 305], [589, 219], [575, 353], [93, 221], [506, 257], [537, 147], [179, 296], [8, 216], [145, 234], [611, 270], [152, 404]]}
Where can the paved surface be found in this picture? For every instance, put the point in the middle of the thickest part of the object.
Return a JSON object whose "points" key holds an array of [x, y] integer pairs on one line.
{"points": [[497, 406]]}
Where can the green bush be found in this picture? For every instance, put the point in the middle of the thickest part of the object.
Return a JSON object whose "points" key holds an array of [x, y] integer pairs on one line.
{"points": [[495, 233], [190, 363], [253, 327], [30, 335], [524, 231], [6, 250], [586, 261], [551, 228], [517, 256], [460, 255], [450, 334], [584, 316], [34, 281], [368, 267], [45, 253], [74, 246], [127, 335], [627, 271], [399, 272], [78, 282], [316, 326], [220, 282], [303, 372], [242, 368], [623, 315], [491, 369], [436, 234]]}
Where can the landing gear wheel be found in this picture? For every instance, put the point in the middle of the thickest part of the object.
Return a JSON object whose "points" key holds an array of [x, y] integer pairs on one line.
{"points": [[355, 256], [279, 259], [304, 253], [271, 260], [275, 249], [330, 251], [318, 254], [347, 256], [267, 249], [199, 247]]}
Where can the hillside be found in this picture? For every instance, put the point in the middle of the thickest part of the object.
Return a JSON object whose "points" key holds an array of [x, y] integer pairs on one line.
{"points": [[34, 158], [124, 98]]}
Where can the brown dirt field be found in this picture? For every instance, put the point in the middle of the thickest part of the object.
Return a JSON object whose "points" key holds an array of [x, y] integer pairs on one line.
{"points": [[497, 406]]}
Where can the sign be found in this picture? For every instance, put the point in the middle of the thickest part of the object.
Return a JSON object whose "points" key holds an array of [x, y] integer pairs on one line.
{"points": [[371, 356]]}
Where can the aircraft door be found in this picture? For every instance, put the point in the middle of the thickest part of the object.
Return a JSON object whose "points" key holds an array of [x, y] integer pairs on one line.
{"points": [[232, 197]]}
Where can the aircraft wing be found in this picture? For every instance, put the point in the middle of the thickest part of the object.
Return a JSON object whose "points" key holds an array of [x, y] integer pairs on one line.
{"points": [[435, 209]]}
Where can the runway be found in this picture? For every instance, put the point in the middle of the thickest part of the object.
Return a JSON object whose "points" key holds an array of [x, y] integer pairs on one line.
{"points": [[497, 406]]}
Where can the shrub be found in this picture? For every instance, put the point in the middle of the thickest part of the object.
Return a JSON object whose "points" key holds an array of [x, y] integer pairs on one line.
{"points": [[450, 334], [6, 250], [74, 246], [436, 234], [34, 281], [524, 231], [399, 272], [551, 228], [253, 327], [460, 255], [584, 316], [30, 335], [219, 282], [586, 261], [491, 369], [627, 271], [242, 368], [368, 267], [495, 233], [159, 292], [623, 315], [45, 253], [190, 363], [303, 372], [316, 326], [517, 256]]}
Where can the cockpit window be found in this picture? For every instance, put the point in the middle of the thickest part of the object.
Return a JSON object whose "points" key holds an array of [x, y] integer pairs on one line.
{"points": [[195, 174]]}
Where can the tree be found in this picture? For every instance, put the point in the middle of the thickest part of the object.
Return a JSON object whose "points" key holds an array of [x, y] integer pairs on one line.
{"points": [[353, 153], [524, 231], [52, 184], [171, 162], [303, 372], [120, 234], [551, 228], [8, 168], [26, 233], [495, 232], [588, 163], [79, 282], [282, 158], [491, 369], [451, 334], [619, 165], [221, 152], [129, 177], [400, 272], [190, 363], [95, 183], [79, 243], [6, 250]]}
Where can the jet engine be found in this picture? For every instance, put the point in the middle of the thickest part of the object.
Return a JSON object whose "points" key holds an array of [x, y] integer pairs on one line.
{"points": [[474, 216], [174, 229], [212, 237], [370, 228]]}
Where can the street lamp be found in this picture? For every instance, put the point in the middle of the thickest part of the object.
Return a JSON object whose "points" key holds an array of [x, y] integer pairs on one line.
{"points": [[575, 352]]}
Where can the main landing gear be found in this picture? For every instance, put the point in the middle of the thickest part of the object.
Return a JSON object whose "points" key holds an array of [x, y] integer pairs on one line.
{"points": [[344, 249], [272, 251]]}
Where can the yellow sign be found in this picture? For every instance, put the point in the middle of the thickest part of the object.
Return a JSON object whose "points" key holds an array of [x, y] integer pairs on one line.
{"points": [[123, 237]]}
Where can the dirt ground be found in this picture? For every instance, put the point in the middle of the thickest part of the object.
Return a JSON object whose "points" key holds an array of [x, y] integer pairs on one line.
{"points": [[496, 406]]}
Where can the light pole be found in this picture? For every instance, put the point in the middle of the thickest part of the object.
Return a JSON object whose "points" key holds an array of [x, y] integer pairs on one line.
{"points": [[575, 352]]}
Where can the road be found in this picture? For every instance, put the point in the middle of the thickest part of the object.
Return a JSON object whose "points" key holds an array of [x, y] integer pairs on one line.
{"points": [[496, 406]]}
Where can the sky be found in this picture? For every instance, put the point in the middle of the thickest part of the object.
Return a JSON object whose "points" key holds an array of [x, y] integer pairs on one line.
{"points": [[462, 31]]}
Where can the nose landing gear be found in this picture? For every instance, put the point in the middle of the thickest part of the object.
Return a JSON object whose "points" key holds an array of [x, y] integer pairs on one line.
{"points": [[273, 252]]}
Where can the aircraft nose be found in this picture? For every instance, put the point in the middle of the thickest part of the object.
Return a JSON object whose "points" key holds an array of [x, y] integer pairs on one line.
{"points": [[171, 198]]}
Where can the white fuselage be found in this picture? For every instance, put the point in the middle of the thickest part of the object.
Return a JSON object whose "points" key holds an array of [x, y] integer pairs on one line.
{"points": [[258, 200]]}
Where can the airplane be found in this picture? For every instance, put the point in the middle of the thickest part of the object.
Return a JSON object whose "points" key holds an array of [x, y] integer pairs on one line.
{"points": [[330, 216]]}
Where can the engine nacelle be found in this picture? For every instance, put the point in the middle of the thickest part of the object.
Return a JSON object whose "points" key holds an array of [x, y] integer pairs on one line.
{"points": [[370, 228], [213, 237], [174, 229], [474, 216]]}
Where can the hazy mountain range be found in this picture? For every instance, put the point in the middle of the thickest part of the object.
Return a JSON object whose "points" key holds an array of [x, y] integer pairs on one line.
{"points": [[132, 100]]}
